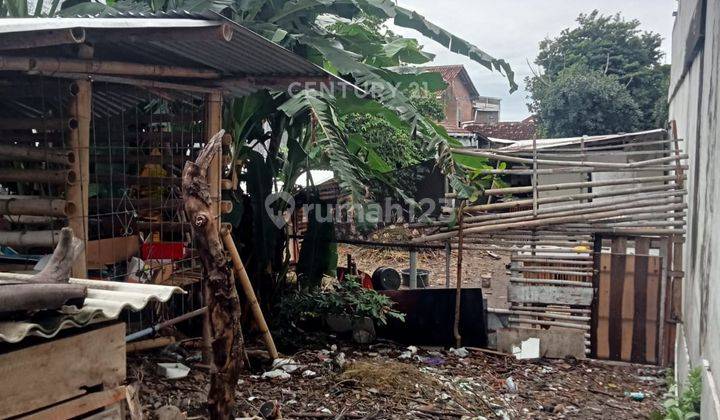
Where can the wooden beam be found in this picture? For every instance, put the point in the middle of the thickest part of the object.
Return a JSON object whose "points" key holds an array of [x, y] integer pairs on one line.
{"points": [[221, 32], [52, 65], [79, 143]]}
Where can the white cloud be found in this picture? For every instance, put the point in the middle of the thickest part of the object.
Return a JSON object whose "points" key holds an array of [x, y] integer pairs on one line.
{"points": [[512, 29]]}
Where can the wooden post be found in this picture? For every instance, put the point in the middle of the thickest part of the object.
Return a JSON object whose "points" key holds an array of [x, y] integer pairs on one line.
{"points": [[77, 192], [213, 124]]}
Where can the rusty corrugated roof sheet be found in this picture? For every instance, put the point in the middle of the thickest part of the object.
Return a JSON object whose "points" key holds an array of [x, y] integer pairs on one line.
{"points": [[105, 301]]}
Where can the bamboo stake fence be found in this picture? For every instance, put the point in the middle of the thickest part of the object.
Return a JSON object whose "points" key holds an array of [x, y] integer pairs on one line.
{"points": [[631, 186]]}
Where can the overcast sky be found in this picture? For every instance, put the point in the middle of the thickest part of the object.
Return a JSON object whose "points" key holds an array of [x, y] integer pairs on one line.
{"points": [[512, 29]]}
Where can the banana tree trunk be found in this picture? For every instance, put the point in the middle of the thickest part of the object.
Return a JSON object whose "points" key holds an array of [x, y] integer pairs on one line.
{"points": [[222, 298]]}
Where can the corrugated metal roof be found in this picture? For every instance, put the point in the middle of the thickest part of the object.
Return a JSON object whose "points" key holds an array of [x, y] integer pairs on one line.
{"points": [[527, 145], [105, 301], [246, 54]]}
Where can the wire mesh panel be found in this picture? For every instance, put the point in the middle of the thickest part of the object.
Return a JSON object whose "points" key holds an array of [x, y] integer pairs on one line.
{"points": [[140, 142]]}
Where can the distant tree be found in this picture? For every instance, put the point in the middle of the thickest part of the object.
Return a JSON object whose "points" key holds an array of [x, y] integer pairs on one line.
{"points": [[583, 101], [613, 47]]}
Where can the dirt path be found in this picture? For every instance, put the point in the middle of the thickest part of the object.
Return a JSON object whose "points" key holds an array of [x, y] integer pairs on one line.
{"points": [[381, 382]]}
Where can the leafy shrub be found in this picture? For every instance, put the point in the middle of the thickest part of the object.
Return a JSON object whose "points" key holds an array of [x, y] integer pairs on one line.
{"points": [[686, 406], [346, 298]]}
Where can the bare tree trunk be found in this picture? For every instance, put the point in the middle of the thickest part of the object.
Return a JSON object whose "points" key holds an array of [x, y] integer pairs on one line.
{"points": [[222, 297]]}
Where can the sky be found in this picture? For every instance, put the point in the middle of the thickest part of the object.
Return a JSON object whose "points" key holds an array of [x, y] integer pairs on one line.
{"points": [[512, 29]]}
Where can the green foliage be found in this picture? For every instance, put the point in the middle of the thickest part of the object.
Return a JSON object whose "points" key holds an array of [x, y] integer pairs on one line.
{"points": [[318, 255], [611, 46], [581, 101], [427, 104], [346, 298], [386, 140], [687, 405]]}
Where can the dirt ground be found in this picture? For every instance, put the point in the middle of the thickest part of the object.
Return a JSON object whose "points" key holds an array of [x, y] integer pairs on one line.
{"points": [[386, 381], [475, 265]]}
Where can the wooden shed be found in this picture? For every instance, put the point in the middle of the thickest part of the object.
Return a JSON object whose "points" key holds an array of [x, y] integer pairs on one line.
{"points": [[97, 117]]}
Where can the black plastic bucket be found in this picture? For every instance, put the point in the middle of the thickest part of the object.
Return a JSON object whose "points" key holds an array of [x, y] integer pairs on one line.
{"points": [[423, 277], [386, 278]]}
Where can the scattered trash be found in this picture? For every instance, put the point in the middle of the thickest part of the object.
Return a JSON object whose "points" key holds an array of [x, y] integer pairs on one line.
{"points": [[486, 280], [288, 365], [309, 374], [410, 352], [493, 255], [459, 352], [169, 412], [173, 370], [529, 349], [276, 374], [636, 396], [510, 385]]}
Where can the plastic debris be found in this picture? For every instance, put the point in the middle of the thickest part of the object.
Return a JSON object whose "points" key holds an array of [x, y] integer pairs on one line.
{"points": [[288, 365], [309, 374], [276, 374], [636, 396], [510, 385], [529, 349], [173, 370], [459, 352]]}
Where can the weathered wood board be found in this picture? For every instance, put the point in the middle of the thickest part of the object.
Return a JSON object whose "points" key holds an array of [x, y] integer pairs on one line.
{"points": [[45, 374], [559, 295], [555, 343]]}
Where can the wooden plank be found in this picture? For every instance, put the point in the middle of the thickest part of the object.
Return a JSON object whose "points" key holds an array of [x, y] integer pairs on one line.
{"points": [[559, 295], [652, 316], [627, 311], [594, 320], [555, 343], [112, 250], [80, 405], [617, 280], [57, 370], [603, 311], [640, 278]]}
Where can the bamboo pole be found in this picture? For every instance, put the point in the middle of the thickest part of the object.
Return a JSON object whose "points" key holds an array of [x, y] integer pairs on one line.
{"points": [[21, 41], [575, 209], [564, 163], [40, 176], [549, 323], [79, 144], [52, 65], [550, 309], [30, 239], [548, 221], [458, 283], [39, 124], [545, 314], [36, 154], [36, 207], [569, 197], [249, 291], [551, 282], [574, 170]]}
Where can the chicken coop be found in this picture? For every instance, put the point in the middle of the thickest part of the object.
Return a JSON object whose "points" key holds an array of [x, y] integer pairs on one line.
{"points": [[97, 118]]}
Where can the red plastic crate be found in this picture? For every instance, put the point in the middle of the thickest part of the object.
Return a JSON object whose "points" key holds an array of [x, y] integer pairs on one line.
{"points": [[163, 251]]}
